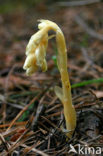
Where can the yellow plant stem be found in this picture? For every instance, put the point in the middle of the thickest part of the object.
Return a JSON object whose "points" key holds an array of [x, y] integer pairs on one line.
{"points": [[69, 111]]}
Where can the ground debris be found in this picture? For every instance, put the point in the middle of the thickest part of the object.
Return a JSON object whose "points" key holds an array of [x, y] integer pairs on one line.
{"points": [[31, 116]]}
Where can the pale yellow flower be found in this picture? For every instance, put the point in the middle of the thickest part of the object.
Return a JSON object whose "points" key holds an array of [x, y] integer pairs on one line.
{"points": [[36, 53]]}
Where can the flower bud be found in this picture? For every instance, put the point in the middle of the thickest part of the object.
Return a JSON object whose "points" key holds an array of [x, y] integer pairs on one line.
{"points": [[40, 54]]}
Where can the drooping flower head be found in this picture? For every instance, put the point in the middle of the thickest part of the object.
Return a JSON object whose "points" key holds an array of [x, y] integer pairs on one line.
{"points": [[36, 52]]}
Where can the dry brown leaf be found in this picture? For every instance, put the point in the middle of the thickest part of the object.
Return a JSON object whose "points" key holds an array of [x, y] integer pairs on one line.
{"points": [[99, 94]]}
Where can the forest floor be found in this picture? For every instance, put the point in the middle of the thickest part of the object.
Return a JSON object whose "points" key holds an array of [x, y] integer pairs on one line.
{"points": [[31, 116]]}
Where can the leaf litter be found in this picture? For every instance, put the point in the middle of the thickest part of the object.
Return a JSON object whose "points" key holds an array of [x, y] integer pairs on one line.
{"points": [[31, 116]]}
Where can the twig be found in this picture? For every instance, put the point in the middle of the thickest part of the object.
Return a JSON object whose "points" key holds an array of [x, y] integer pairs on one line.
{"points": [[89, 30], [94, 139], [78, 3], [87, 58], [15, 124], [22, 111], [17, 143], [34, 150], [4, 142], [39, 112], [21, 138], [15, 105]]}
